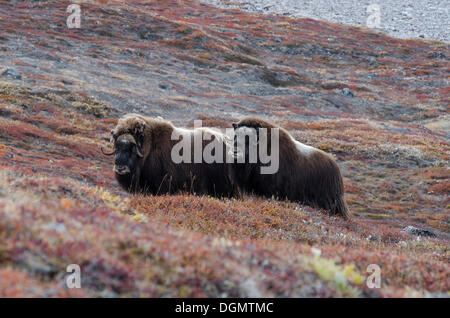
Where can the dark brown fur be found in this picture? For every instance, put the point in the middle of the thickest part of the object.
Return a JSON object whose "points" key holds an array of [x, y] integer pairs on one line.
{"points": [[156, 173], [315, 180]]}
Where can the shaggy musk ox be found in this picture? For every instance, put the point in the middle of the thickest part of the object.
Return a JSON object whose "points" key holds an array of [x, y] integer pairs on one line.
{"points": [[305, 174], [143, 161]]}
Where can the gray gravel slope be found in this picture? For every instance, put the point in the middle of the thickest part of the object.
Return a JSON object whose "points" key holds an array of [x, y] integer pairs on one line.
{"points": [[429, 19]]}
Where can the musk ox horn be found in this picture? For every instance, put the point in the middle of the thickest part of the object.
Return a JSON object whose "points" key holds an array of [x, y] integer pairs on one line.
{"points": [[105, 153], [139, 152]]}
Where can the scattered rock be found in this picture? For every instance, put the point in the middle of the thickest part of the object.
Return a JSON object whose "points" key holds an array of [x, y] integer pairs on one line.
{"points": [[150, 34], [371, 60], [58, 227], [162, 86], [316, 251], [10, 72], [108, 294], [347, 92], [437, 55], [251, 288], [412, 230], [371, 293], [37, 263], [404, 19]]}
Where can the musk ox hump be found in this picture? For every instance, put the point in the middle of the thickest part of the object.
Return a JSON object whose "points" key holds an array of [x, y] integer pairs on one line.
{"points": [[303, 149]]}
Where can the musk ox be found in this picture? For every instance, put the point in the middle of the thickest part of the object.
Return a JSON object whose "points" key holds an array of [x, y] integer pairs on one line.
{"points": [[144, 159], [305, 174]]}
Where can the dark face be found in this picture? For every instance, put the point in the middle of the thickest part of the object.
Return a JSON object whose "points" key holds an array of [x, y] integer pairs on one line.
{"points": [[245, 141], [126, 155]]}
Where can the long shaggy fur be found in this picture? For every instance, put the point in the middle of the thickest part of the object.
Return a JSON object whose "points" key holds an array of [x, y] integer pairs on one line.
{"points": [[156, 173], [306, 174]]}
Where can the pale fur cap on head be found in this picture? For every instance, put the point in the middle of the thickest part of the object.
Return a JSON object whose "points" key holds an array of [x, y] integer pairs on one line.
{"points": [[130, 124]]}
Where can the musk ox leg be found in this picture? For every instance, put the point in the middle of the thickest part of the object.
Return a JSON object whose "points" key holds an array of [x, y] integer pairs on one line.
{"points": [[135, 179], [340, 208]]}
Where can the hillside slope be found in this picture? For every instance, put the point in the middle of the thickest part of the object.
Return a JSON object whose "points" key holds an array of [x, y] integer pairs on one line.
{"points": [[378, 104]]}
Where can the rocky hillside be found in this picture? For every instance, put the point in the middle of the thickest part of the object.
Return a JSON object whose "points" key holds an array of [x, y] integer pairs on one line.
{"points": [[380, 105]]}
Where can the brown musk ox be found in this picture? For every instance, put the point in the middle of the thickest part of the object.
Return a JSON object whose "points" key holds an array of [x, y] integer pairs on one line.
{"points": [[304, 174], [145, 161]]}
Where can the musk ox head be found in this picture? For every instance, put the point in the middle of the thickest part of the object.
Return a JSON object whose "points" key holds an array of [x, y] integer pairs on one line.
{"points": [[127, 154], [245, 152], [257, 145], [127, 138], [245, 140]]}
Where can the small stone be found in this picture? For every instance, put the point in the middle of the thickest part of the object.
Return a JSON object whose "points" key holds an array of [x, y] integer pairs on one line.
{"points": [[58, 227], [437, 55], [371, 60], [10, 72], [36, 263], [412, 230], [315, 251], [162, 86], [108, 294], [347, 92]]}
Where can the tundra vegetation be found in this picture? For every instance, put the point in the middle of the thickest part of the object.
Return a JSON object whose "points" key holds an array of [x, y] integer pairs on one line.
{"points": [[379, 105]]}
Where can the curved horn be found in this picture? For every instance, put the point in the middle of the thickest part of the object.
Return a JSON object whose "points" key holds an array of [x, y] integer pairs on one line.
{"points": [[139, 153], [105, 153]]}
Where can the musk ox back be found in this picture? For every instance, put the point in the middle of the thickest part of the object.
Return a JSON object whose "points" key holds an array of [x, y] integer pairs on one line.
{"points": [[144, 163], [305, 174]]}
